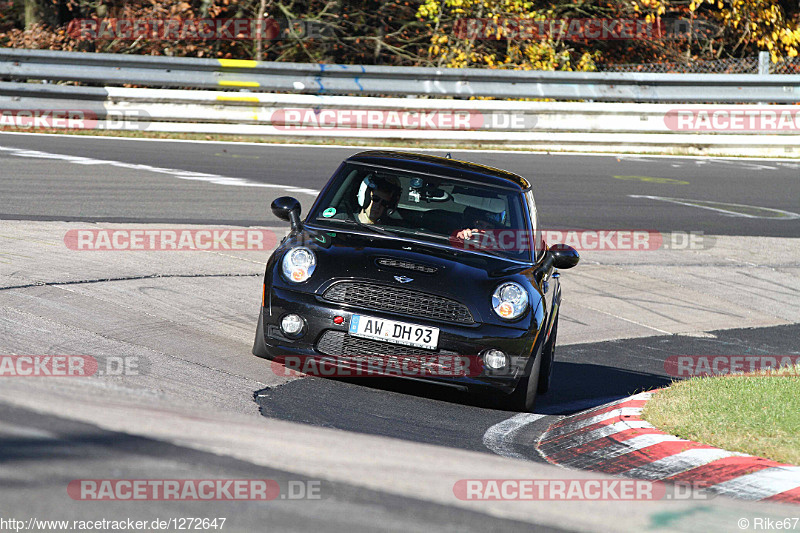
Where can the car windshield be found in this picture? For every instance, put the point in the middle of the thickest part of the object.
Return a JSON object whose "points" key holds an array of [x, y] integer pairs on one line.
{"points": [[445, 211]]}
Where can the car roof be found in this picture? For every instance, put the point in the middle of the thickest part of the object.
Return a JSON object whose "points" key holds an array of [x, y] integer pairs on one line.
{"points": [[441, 166]]}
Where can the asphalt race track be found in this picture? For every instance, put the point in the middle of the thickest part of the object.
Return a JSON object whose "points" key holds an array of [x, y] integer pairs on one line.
{"points": [[385, 452], [573, 191]]}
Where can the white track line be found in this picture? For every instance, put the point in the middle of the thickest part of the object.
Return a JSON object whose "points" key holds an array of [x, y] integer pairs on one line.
{"points": [[175, 173], [788, 215], [499, 437]]}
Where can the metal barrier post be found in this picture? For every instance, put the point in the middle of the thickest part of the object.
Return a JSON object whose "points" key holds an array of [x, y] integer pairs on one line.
{"points": [[763, 63]]}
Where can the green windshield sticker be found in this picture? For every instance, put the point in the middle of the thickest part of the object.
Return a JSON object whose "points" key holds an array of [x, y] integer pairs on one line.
{"points": [[328, 213]]}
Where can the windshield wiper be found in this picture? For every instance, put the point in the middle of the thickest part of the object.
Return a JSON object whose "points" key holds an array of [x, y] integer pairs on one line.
{"points": [[355, 222], [493, 253], [374, 228], [429, 234]]}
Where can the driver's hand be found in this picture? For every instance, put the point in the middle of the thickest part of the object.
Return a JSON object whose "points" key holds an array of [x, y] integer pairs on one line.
{"points": [[465, 234]]}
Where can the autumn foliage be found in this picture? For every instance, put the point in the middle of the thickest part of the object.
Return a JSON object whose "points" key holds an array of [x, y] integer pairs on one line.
{"points": [[425, 32]]}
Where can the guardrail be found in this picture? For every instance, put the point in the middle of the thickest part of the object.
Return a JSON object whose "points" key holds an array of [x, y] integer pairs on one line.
{"points": [[524, 124], [159, 71], [546, 125]]}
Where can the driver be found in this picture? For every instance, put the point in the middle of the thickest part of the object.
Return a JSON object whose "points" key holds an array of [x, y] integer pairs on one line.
{"points": [[477, 222], [378, 197]]}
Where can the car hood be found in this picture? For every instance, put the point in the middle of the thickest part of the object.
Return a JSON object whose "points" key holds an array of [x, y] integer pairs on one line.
{"points": [[469, 278]]}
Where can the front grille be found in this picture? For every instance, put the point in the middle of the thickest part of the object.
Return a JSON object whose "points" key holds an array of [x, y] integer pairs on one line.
{"points": [[397, 300], [405, 265], [334, 342]]}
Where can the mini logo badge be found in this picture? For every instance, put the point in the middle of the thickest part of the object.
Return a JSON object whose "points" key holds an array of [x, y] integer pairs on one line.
{"points": [[403, 279]]}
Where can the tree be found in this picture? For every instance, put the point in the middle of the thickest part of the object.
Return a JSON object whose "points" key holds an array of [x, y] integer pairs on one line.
{"points": [[497, 34], [744, 26], [427, 32]]}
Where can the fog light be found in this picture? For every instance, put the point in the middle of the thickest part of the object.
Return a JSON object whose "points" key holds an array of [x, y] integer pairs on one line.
{"points": [[495, 359], [291, 324]]}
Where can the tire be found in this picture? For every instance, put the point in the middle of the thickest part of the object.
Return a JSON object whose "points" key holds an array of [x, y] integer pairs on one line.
{"points": [[259, 346], [548, 358], [523, 398]]}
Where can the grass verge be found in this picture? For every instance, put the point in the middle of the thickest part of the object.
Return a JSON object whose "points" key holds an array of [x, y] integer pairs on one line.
{"points": [[754, 414]]}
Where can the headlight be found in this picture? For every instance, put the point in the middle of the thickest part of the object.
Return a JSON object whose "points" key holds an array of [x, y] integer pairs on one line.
{"points": [[510, 300], [298, 264]]}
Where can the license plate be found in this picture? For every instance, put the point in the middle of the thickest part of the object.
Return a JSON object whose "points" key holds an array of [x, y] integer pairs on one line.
{"points": [[394, 332]]}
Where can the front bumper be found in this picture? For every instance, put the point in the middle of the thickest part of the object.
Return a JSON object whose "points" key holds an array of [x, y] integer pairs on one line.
{"points": [[454, 339]]}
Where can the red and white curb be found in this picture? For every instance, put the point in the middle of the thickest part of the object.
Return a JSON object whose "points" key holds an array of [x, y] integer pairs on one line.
{"points": [[614, 439]]}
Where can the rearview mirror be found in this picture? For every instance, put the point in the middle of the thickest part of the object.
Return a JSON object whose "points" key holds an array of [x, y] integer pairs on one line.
{"points": [[288, 209]]}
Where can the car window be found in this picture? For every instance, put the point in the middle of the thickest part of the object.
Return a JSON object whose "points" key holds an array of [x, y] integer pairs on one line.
{"points": [[429, 208]]}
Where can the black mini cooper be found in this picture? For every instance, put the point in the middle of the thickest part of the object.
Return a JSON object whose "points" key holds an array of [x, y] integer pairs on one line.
{"points": [[413, 258]]}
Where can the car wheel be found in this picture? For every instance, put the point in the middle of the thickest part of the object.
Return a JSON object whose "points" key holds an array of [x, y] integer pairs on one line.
{"points": [[548, 358], [259, 346], [523, 398]]}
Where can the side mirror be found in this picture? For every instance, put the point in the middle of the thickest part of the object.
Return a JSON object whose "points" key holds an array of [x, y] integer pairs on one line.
{"points": [[288, 209], [558, 256], [564, 256]]}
